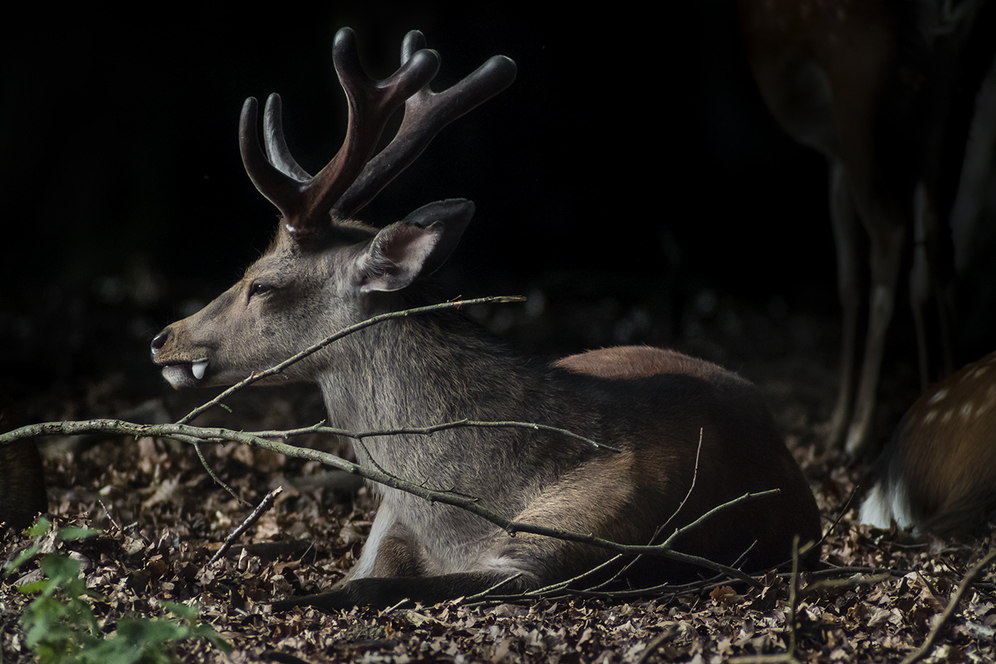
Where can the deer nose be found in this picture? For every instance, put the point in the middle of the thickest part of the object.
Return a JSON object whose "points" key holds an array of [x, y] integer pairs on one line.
{"points": [[159, 341]]}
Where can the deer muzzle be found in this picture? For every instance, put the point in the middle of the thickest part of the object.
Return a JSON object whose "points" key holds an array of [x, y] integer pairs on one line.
{"points": [[177, 370]]}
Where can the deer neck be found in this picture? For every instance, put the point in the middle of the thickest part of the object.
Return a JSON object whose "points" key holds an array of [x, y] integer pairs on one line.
{"points": [[430, 370], [423, 370]]}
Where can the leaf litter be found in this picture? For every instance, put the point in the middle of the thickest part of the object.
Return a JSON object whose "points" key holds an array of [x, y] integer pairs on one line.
{"points": [[162, 518]]}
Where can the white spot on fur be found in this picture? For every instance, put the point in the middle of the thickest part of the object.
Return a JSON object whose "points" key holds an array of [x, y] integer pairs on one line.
{"points": [[930, 416], [938, 395], [966, 409]]}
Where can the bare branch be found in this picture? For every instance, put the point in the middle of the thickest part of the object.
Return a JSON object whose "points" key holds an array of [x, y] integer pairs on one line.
{"points": [[431, 429], [277, 368], [191, 434]]}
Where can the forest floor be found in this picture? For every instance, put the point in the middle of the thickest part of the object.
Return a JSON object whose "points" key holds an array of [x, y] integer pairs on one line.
{"points": [[875, 598]]}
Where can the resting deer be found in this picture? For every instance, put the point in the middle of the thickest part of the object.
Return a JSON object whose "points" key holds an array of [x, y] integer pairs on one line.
{"points": [[886, 91], [938, 473], [325, 271]]}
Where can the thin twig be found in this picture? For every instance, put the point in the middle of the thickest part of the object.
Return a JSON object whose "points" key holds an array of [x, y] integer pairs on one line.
{"points": [[695, 476], [214, 476], [856, 579], [633, 561], [430, 430], [489, 591], [949, 611], [652, 647], [253, 517], [778, 658], [794, 596]]}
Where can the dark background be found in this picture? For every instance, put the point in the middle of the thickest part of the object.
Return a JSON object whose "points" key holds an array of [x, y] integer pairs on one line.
{"points": [[632, 154]]}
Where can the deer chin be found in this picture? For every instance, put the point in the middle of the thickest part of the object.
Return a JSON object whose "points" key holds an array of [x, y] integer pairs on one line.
{"points": [[185, 374]]}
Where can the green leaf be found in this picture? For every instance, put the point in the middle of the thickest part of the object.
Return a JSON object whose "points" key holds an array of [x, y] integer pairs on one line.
{"points": [[72, 533], [20, 559], [40, 528], [60, 627]]}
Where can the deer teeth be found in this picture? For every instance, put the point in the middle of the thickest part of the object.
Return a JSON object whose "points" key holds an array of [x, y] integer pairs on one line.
{"points": [[198, 369]]}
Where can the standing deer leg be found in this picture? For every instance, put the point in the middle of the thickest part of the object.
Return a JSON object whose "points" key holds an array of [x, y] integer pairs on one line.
{"points": [[846, 231], [920, 278], [887, 240], [929, 280]]}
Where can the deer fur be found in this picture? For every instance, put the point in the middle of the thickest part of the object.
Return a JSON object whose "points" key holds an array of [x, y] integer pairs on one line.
{"points": [[440, 367], [938, 473]]}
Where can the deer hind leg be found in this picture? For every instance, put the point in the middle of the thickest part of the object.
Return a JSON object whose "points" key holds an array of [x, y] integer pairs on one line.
{"points": [[887, 240], [930, 281], [846, 231], [600, 498]]}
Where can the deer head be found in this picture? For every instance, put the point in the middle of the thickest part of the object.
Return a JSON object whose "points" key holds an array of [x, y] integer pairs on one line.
{"points": [[323, 270]]}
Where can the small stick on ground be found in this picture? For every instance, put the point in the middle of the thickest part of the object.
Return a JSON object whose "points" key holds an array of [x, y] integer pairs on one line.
{"points": [[949, 611], [253, 517]]}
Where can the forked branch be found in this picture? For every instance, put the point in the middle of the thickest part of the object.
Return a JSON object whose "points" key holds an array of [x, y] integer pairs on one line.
{"points": [[195, 435], [270, 440]]}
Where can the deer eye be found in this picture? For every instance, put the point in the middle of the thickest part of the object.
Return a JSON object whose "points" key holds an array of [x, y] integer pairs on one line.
{"points": [[260, 288]]}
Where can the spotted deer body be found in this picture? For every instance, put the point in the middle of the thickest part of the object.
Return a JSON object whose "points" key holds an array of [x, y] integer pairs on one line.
{"points": [[677, 439], [938, 473]]}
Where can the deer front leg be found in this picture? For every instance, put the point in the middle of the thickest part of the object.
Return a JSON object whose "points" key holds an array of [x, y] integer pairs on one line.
{"points": [[398, 574], [390, 550], [846, 231], [389, 591], [393, 568]]}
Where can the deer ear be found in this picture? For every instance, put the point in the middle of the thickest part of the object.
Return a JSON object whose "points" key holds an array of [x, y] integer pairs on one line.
{"points": [[453, 215], [419, 244]]}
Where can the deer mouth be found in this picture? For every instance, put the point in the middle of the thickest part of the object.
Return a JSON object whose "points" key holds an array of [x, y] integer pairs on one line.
{"points": [[185, 374]]}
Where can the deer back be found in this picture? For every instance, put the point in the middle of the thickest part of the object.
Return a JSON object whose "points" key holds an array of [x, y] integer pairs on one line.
{"points": [[709, 432]]}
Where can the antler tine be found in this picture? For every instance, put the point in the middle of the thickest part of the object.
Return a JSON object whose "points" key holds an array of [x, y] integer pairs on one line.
{"points": [[304, 201], [280, 189], [426, 113], [275, 143]]}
